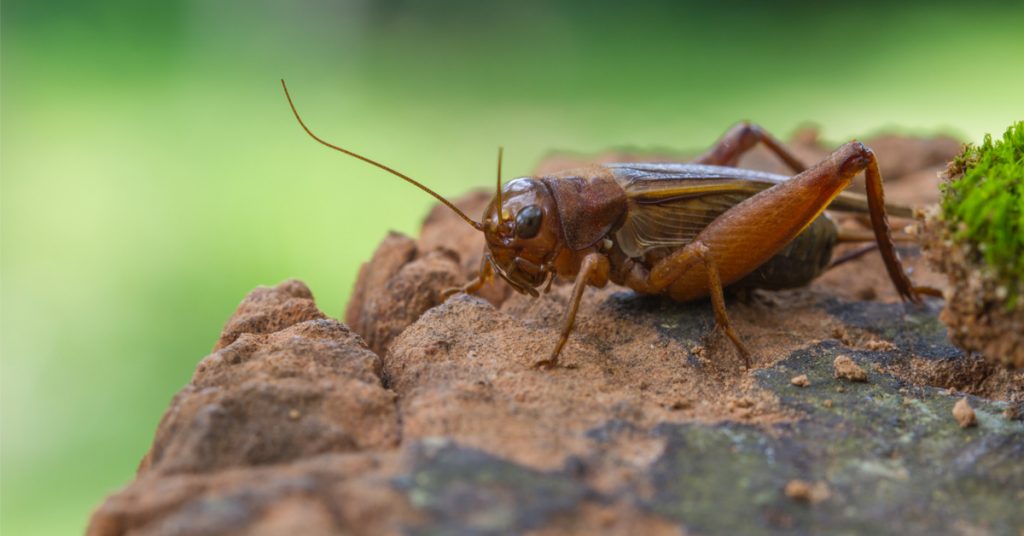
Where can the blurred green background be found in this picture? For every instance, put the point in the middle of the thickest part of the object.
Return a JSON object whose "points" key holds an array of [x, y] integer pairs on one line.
{"points": [[152, 174]]}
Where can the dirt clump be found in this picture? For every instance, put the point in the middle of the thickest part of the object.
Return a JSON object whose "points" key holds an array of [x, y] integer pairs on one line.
{"points": [[964, 413], [846, 369], [808, 492], [800, 380]]}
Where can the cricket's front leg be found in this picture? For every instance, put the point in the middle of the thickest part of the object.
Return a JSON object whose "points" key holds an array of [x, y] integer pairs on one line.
{"points": [[475, 284], [594, 271]]}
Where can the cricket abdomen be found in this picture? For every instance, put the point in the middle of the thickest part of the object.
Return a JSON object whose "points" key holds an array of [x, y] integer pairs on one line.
{"points": [[799, 262]]}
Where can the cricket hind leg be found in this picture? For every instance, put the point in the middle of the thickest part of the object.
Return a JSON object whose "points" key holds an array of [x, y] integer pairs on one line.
{"points": [[857, 253], [747, 235], [815, 189], [882, 229], [740, 139]]}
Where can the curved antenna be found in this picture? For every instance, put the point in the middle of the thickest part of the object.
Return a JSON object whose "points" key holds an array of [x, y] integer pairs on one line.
{"points": [[501, 150], [475, 224]]}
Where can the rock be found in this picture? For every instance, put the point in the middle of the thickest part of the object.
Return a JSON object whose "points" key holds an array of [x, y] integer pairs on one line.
{"points": [[394, 252], [267, 310], [413, 288], [313, 380], [800, 380], [294, 424]]}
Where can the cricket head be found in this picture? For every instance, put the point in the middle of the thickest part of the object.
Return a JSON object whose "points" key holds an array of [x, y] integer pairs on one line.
{"points": [[523, 233], [521, 225]]}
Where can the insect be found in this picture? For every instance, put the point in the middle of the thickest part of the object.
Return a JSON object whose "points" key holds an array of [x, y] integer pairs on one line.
{"points": [[684, 230]]}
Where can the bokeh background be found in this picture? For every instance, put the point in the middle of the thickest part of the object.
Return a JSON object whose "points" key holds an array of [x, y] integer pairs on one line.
{"points": [[152, 174]]}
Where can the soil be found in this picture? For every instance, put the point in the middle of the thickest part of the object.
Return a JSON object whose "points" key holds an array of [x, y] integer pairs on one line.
{"points": [[427, 417]]}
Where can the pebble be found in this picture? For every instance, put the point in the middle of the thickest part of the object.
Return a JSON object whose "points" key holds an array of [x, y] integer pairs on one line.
{"points": [[845, 368], [964, 413]]}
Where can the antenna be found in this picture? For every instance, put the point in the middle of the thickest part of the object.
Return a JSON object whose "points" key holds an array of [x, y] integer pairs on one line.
{"points": [[501, 150], [449, 204]]}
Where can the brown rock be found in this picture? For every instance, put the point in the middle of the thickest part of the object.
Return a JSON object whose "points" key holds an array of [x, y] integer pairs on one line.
{"points": [[395, 251], [266, 310], [277, 432], [327, 494], [314, 380], [416, 287], [404, 277], [845, 368], [800, 380], [964, 413]]}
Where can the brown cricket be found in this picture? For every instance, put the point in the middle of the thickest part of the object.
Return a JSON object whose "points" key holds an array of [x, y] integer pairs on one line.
{"points": [[685, 230]]}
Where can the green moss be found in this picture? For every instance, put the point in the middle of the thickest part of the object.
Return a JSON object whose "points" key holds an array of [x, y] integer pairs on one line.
{"points": [[984, 205]]}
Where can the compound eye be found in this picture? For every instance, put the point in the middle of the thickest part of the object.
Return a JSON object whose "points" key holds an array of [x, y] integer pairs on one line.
{"points": [[528, 221]]}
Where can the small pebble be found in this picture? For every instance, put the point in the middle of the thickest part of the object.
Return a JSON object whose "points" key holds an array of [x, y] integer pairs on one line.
{"points": [[294, 414], [845, 368], [800, 381], [803, 491], [964, 413], [827, 403], [799, 490]]}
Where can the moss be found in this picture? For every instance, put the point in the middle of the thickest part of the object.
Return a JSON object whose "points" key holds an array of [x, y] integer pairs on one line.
{"points": [[983, 204]]}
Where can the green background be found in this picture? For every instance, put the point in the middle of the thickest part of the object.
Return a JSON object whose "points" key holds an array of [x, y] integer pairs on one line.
{"points": [[152, 174]]}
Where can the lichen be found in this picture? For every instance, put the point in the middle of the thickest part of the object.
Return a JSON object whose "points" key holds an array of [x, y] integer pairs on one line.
{"points": [[983, 205]]}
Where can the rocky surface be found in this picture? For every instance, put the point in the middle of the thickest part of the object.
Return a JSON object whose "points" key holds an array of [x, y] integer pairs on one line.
{"points": [[438, 423]]}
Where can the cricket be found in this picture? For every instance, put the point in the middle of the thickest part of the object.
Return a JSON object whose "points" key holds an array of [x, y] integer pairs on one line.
{"points": [[684, 230]]}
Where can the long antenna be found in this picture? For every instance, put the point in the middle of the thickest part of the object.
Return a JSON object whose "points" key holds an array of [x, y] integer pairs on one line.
{"points": [[475, 224], [501, 150]]}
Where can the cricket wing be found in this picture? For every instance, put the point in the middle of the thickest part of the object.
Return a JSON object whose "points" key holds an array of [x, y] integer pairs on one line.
{"points": [[669, 204]]}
